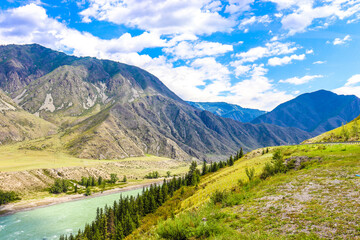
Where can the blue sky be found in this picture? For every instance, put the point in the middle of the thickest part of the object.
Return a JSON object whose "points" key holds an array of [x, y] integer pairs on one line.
{"points": [[256, 54]]}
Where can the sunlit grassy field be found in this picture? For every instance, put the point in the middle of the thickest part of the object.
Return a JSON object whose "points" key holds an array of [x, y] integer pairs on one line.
{"points": [[16, 158], [320, 201]]}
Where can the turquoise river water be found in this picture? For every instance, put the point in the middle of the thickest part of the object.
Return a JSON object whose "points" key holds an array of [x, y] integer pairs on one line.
{"points": [[50, 222]]}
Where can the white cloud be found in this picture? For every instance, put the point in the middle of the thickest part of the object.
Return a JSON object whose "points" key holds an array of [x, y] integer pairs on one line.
{"points": [[351, 86], [341, 41], [309, 51], [253, 20], [164, 17], [319, 62], [188, 50], [30, 24], [302, 80], [276, 61], [303, 13], [238, 6], [270, 49]]}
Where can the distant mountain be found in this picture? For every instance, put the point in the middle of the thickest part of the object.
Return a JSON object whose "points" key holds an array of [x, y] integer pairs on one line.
{"points": [[315, 112], [227, 110], [106, 110]]}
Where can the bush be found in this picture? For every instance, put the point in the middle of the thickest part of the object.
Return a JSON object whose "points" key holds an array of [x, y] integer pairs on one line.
{"points": [[250, 173], [218, 196], [192, 225], [153, 175], [59, 186], [6, 197]]}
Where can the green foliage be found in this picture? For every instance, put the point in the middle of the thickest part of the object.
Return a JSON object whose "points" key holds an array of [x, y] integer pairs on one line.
{"points": [[60, 186], [193, 225], [344, 133], [88, 191], [152, 175], [250, 173], [218, 196], [6, 197], [193, 176], [124, 179], [204, 168], [168, 174], [276, 166], [113, 178]]}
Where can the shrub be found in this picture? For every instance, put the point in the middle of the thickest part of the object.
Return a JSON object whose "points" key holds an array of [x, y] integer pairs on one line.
{"points": [[59, 186], [6, 197], [218, 196], [250, 173]]}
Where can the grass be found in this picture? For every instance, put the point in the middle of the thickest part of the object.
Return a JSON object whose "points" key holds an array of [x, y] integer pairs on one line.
{"points": [[320, 201]]}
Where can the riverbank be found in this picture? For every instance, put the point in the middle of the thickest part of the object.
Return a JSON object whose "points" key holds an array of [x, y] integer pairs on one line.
{"points": [[26, 205]]}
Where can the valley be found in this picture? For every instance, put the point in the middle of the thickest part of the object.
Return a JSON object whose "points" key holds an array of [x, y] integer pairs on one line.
{"points": [[80, 130]]}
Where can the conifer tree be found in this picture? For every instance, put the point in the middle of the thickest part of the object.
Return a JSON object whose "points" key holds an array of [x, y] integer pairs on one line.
{"points": [[204, 168]]}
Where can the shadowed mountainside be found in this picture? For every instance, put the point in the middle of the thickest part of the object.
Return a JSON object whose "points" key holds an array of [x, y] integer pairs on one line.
{"points": [[105, 109]]}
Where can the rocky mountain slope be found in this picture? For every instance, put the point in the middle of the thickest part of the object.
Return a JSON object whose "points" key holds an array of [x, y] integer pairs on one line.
{"points": [[19, 125], [227, 110], [315, 112], [105, 110]]}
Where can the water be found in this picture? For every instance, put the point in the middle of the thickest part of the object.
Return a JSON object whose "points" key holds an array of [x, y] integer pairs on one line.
{"points": [[50, 222]]}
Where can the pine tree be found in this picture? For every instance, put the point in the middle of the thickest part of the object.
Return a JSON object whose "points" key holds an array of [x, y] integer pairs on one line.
{"points": [[241, 153], [204, 168], [231, 161]]}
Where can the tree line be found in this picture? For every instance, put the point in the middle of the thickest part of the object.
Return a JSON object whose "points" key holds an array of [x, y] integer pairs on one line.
{"points": [[121, 219]]}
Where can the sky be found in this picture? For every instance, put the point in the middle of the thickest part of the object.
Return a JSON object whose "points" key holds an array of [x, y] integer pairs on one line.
{"points": [[256, 54]]}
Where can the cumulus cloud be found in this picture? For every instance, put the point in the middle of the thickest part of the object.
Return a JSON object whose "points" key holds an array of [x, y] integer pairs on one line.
{"points": [[341, 41], [302, 80], [270, 49], [30, 24], [303, 13], [351, 86], [276, 61], [188, 50], [164, 17]]}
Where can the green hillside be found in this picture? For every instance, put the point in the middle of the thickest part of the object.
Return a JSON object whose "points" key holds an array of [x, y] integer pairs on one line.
{"points": [[346, 133], [318, 201]]}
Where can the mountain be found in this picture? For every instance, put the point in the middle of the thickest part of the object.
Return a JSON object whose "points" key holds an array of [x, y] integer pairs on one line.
{"points": [[315, 112], [346, 133], [19, 125], [227, 110], [106, 110]]}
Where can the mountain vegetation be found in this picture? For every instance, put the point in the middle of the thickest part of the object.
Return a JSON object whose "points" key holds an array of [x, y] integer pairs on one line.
{"points": [[315, 112], [107, 110], [227, 110], [349, 132], [310, 192]]}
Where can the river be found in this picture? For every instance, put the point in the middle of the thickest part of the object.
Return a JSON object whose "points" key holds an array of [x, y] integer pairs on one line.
{"points": [[50, 222]]}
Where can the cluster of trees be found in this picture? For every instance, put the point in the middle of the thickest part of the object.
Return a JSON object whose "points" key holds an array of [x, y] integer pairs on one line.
{"points": [[91, 181], [60, 186], [6, 197], [152, 175], [217, 165], [123, 217]]}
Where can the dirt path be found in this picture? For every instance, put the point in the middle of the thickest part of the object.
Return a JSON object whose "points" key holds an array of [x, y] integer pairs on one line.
{"points": [[27, 205]]}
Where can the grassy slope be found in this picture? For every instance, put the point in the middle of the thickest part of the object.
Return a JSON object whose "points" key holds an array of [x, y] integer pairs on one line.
{"points": [[340, 134], [320, 201]]}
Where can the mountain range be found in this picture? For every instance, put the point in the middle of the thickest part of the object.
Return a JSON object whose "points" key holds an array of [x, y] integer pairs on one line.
{"points": [[228, 110], [103, 109], [315, 112]]}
